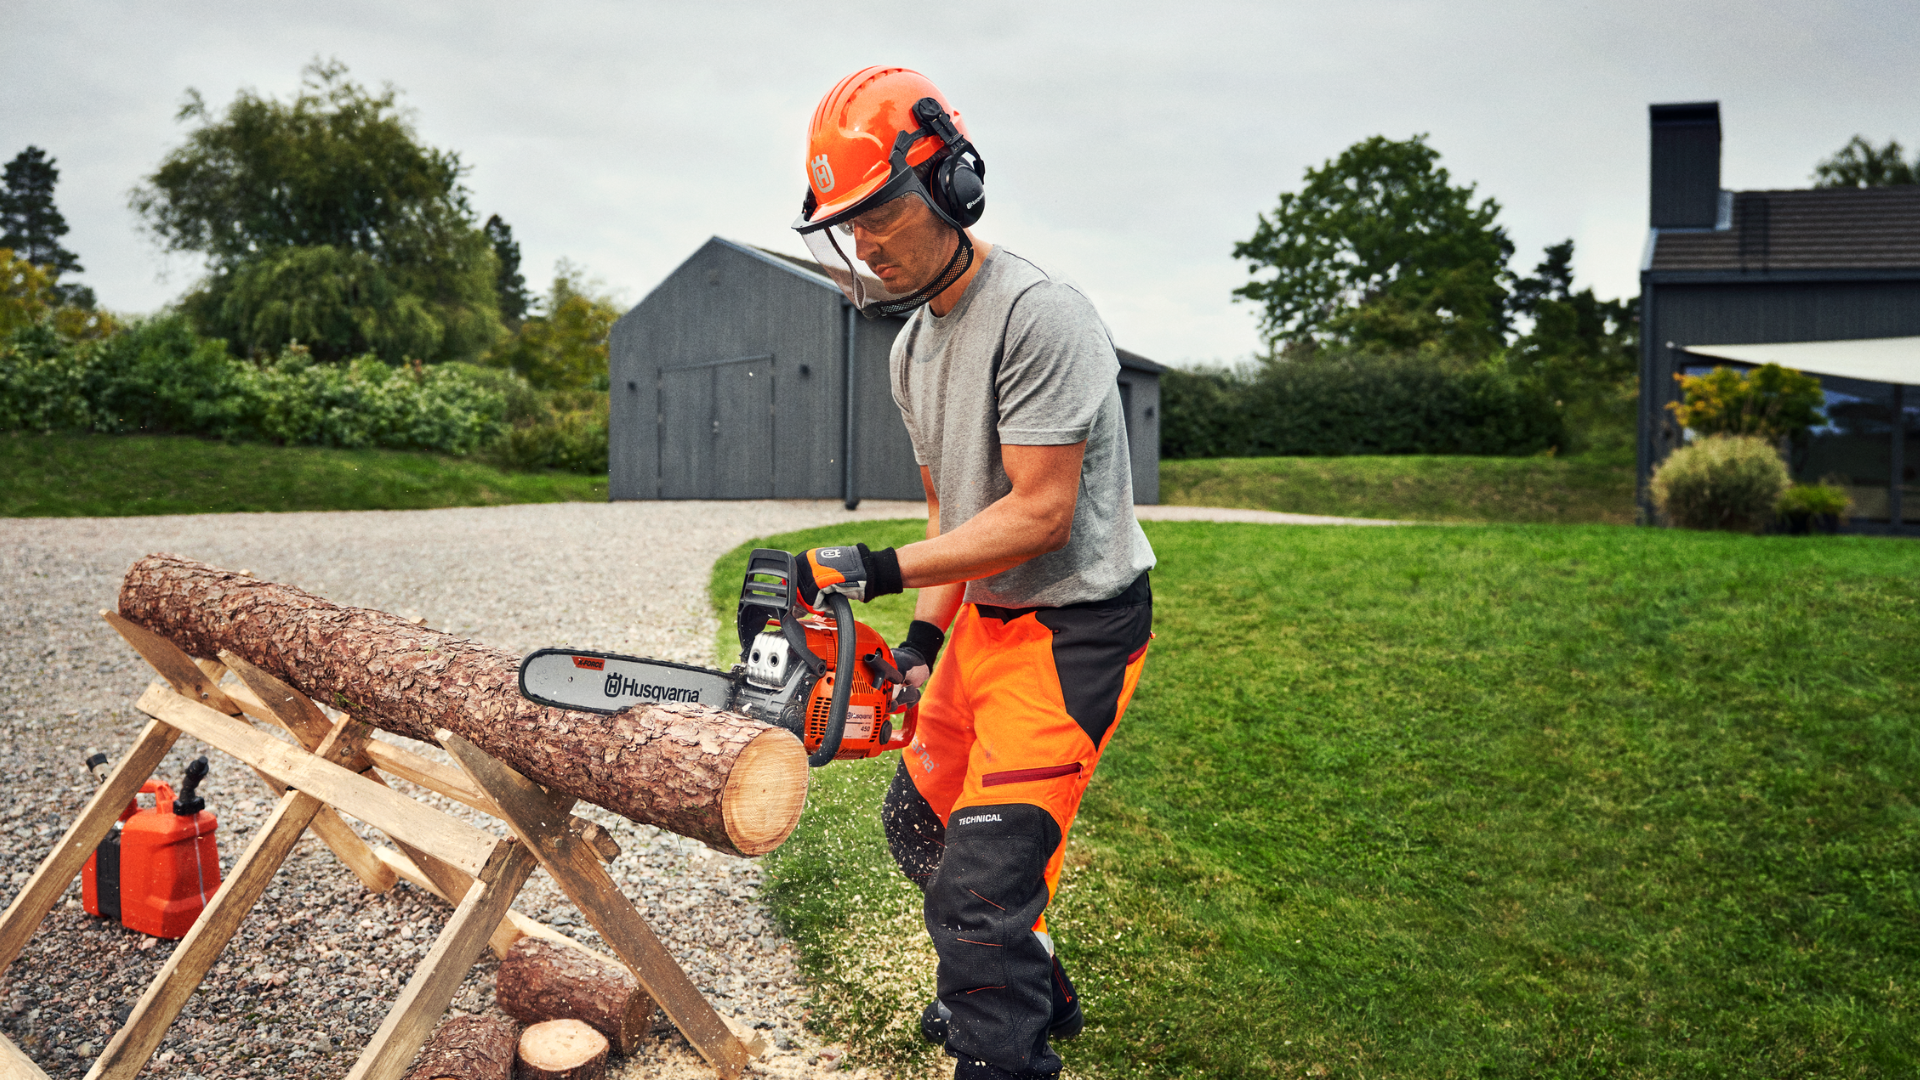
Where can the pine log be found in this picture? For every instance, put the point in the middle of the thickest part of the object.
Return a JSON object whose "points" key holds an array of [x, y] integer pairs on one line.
{"points": [[562, 1050], [731, 782], [540, 981], [469, 1048]]}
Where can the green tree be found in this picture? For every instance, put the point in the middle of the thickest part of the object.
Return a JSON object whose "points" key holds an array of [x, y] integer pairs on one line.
{"points": [[31, 226], [564, 345], [1578, 343], [510, 286], [1769, 401], [1381, 250], [273, 192], [1860, 164]]}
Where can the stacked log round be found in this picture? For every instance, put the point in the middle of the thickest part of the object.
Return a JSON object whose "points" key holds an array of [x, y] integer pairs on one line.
{"points": [[541, 981], [731, 782], [469, 1048], [562, 1050]]}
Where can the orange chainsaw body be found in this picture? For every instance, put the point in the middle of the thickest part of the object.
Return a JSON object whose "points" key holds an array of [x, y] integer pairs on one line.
{"points": [[869, 730]]}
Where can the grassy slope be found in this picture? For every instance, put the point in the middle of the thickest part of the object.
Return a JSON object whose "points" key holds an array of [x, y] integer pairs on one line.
{"points": [[1474, 801], [111, 476], [1591, 488]]}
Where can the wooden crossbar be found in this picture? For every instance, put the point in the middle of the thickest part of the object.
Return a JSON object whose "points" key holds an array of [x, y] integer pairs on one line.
{"points": [[335, 767]]}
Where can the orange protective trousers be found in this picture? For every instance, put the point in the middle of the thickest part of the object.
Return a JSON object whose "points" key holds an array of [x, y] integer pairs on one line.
{"points": [[1012, 725]]}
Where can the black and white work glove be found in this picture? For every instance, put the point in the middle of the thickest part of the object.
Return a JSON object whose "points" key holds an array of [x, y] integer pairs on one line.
{"points": [[854, 572], [915, 656]]}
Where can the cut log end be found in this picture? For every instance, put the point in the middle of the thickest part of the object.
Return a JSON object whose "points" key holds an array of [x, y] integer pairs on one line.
{"points": [[562, 1050], [540, 980], [469, 1048], [765, 792]]}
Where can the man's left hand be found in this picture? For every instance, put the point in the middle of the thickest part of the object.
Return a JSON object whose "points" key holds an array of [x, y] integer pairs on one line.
{"points": [[855, 572]]}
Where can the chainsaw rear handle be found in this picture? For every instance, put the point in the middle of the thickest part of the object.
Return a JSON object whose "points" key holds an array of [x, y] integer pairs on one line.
{"points": [[846, 670]]}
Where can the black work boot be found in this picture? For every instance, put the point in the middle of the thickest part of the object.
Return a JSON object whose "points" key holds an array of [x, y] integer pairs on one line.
{"points": [[934, 1020]]}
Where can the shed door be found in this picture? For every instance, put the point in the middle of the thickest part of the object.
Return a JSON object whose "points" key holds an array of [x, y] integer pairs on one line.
{"points": [[716, 430], [743, 429]]}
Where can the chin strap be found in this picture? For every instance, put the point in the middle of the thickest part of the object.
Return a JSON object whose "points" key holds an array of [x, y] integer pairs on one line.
{"points": [[956, 269]]}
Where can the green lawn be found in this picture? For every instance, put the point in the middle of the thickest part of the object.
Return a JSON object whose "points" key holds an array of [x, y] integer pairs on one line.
{"points": [[1493, 801], [118, 475], [1589, 489]]}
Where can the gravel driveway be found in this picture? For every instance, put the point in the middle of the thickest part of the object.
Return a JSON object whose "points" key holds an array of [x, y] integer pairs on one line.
{"points": [[312, 971]]}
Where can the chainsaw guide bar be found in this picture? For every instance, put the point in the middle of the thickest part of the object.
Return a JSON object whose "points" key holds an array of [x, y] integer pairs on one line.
{"points": [[608, 683]]}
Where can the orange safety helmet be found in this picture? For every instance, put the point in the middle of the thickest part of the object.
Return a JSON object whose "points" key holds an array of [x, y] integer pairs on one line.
{"points": [[867, 137]]}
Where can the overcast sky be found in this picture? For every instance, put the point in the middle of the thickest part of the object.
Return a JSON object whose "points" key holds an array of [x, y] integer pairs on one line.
{"points": [[1129, 144]]}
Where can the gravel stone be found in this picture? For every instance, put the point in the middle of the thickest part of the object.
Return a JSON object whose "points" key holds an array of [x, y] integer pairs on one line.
{"points": [[314, 968]]}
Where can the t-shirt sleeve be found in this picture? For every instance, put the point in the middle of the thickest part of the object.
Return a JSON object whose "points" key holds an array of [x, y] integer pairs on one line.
{"points": [[1057, 369]]}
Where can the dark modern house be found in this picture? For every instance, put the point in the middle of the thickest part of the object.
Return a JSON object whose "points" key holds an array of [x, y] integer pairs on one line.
{"points": [[746, 375], [1824, 281]]}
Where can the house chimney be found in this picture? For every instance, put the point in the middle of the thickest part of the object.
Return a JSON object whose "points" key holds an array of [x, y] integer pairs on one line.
{"points": [[1686, 165]]}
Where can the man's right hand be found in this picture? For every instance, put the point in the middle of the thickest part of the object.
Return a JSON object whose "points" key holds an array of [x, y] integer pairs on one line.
{"points": [[915, 656]]}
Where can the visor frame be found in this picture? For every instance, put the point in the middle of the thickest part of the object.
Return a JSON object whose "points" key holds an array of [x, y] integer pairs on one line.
{"points": [[904, 181]]}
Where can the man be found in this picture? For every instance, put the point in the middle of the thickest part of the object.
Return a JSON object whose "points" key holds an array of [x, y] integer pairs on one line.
{"points": [[1033, 568]]}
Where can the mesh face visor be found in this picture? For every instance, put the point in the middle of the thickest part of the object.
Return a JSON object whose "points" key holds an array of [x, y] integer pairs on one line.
{"points": [[832, 242], [835, 248]]}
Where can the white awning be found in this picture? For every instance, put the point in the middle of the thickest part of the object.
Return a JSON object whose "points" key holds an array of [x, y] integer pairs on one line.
{"points": [[1887, 360]]}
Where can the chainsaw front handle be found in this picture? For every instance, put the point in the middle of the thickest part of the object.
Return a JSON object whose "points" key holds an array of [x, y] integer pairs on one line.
{"points": [[846, 670]]}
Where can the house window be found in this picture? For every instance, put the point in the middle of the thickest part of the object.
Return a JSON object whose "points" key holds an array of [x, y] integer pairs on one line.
{"points": [[1854, 448]]}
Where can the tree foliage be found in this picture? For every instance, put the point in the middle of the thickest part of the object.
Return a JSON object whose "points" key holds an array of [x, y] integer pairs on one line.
{"points": [[29, 297], [1860, 164], [1380, 249], [1583, 351], [1770, 402], [564, 345], [31, 225], [277, 195], [510, 286]]}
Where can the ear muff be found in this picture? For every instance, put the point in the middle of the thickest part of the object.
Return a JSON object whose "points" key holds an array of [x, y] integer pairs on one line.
{"points": [[959, 187], [958, 184]]}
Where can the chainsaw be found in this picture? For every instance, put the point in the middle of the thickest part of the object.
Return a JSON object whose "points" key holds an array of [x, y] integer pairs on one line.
{"points": [[821, 675]]}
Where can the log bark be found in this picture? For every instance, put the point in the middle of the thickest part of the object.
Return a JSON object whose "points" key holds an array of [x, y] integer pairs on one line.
{"points": [[562, 1050], [540, 981], [731, 782], [469, 1048]]}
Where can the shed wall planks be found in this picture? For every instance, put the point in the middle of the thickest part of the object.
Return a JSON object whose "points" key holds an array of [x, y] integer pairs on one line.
{"points": [[728, 382]]}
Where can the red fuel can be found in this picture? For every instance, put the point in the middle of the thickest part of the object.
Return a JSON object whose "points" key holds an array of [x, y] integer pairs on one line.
{"points": [[169, 860], [100, 877]]}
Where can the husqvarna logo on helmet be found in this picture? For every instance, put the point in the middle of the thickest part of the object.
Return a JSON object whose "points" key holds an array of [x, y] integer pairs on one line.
{"points": [[823, 173]]}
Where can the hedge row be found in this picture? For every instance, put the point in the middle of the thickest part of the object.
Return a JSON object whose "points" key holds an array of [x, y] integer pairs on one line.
{"points": [[159, 376], [1353, 405]]}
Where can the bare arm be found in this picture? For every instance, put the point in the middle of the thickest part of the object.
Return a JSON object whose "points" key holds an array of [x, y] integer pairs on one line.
{"points": [[1036, 517], [936, 604]]}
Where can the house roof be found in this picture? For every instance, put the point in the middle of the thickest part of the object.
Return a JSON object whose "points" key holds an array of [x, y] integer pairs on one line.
{"points": [[1819, 229]]}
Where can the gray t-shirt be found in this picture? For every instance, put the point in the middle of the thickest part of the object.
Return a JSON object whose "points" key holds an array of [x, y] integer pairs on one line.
{"points": [[1056, 386]]}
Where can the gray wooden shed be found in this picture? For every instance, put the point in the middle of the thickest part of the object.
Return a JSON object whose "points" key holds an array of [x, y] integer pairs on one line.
{"points": [[735, 378]]}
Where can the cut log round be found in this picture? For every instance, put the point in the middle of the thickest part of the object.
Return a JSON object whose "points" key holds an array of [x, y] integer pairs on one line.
{"points": [[540, 981], [562, 1050], [469, 1048], [731, 782]]}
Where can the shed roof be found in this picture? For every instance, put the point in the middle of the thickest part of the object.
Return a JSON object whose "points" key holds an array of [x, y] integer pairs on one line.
{"points": [[1133, 361], [1819, 229]]}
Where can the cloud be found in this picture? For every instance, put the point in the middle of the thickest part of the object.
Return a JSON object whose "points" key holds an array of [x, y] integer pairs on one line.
{"points": [[1129, 145]]}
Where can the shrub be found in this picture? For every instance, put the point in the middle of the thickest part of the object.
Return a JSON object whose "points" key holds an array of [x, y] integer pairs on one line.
{"points": [[1720, 482], [1810, 500], [159, 376], [566, 430], [1357, 404]]}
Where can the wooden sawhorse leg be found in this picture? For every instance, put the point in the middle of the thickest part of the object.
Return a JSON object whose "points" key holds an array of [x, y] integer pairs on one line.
{"points": [[541, 822]]}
